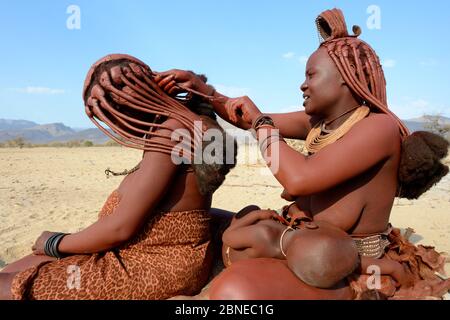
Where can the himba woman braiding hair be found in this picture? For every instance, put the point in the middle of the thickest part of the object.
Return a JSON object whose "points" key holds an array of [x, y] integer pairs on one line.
{"points": [[420, 166], [363, 163]]}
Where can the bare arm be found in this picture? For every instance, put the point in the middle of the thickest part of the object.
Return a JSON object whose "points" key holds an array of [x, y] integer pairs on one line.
{"points": [[292, 125], [360, 149], [295, 125], [148, 188]]}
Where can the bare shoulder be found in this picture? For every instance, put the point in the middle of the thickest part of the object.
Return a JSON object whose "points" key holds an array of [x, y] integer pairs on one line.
{"points": [[378, 134], [172, 124], [378, 126]]}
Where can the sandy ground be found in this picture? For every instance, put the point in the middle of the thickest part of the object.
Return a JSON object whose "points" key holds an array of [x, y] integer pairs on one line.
{"points": [[63, 189]]}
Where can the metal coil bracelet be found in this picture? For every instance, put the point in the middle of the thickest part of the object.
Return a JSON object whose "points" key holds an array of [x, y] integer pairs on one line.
{"points": [[52, 243]]}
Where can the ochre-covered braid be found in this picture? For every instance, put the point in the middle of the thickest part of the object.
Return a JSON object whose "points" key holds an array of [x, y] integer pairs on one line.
{"points": [[119, 91], [356, 61]]}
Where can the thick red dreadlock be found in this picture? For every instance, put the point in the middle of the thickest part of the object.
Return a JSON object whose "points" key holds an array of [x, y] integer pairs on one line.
{"points": [[119, 91], [420, 167], [357, 62]]}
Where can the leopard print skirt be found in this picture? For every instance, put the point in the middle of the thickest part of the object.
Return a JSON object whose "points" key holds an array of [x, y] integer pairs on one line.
{"points": [[170, 256]]}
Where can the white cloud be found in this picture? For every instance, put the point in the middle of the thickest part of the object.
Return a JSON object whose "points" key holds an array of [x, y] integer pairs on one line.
{"points": [[414, 108], [429, 63], [288, 55], [39, 90], [231, 91], [303, 59], [389, 63], [420, 104]]}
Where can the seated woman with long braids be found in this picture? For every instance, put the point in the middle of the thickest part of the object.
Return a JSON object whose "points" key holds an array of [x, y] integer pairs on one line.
{"points": [[360, 157], [152, 238]]}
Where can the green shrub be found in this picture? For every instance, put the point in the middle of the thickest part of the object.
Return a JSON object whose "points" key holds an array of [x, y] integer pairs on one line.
{"points": [[111, 143], [18, 142], [88, 143], [73, 144]]}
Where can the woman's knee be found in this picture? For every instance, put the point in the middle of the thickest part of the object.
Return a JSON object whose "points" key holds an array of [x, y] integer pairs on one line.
{"points": [[230, 286], [6, 280], [263, 278], [250, 279], [26, 263]]}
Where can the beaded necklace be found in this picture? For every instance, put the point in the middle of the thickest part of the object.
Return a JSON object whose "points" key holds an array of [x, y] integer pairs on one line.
{"points": [[320, 137]]}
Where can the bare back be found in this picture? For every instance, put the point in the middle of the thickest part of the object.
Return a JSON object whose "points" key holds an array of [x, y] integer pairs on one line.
{"points": [[182, 195]]}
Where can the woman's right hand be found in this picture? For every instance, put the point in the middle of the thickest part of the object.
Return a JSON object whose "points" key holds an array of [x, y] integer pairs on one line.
{"points": [[242, 111], [39, 244], [173, 81]]}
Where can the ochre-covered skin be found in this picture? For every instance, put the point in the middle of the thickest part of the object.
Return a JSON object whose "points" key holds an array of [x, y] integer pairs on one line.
{"points": [[350, 183], [157, 190]]}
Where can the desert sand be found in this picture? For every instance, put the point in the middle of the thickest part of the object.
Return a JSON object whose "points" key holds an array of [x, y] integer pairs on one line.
{"points": [[63, 189]]}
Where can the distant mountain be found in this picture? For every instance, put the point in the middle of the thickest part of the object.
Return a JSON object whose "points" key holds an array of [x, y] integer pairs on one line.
{"points": [[425, 119], [414, 125], [6, 124], [418, 124], [94, 135], [45, 133]]}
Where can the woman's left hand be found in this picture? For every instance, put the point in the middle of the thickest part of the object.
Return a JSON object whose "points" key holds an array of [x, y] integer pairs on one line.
{"points": [[242, 109], [174, 81], [38, 247]]}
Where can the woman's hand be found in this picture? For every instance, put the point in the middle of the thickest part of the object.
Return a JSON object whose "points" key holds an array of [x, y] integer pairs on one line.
{"points": [[403, 279], [242, 111], [252, 218], [38, 247], [173, 81]]}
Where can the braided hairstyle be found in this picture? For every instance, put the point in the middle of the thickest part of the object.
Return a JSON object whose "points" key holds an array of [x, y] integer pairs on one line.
{"points": [[360, 67], [120, 92]]}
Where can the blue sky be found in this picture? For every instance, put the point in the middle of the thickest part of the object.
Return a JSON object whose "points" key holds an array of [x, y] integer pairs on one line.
{"points": [[253, 47]]}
